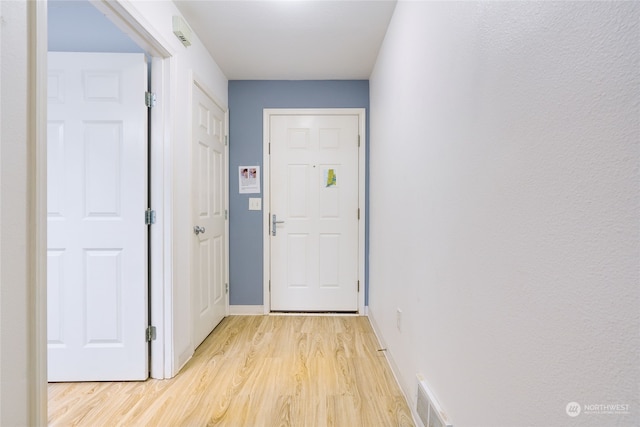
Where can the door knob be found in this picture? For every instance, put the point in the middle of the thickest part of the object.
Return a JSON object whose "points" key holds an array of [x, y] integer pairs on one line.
{"points": [[273, 224], [197, 229]]}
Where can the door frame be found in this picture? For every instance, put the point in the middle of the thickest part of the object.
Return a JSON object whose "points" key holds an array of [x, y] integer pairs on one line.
{"points": [[362, 169]]}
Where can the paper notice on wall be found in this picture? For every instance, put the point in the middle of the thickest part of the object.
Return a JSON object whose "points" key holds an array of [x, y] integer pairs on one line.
{"points": [[249, 179], [330, 178]]}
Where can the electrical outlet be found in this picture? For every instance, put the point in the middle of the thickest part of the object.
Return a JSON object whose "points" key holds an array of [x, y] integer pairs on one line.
{"points": [[399, 319]]}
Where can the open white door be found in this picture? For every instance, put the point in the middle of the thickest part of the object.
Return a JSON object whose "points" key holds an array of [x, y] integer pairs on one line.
{"points": [[97, 236], [314, 208], [209, 183]]}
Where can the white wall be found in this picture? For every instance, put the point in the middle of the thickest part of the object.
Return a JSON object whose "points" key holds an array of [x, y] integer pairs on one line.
{"points": [[505, 207], [187, 63]]}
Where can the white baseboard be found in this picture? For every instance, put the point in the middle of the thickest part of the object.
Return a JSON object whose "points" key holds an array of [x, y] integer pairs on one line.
{"points": [[246, 310], [410, 394]]}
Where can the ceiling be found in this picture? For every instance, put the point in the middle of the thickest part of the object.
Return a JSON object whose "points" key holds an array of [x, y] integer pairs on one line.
{"points": [[291, 39]]}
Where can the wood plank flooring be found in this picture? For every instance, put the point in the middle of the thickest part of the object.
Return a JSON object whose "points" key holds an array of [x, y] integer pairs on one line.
{"points": [[254, 371]]}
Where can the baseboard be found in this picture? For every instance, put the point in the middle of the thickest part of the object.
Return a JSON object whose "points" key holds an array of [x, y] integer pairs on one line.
{"points": [[246, 310], [410, 394]]}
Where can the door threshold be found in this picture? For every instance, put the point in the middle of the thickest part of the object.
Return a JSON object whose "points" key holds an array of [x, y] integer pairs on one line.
{"points": [[313, 313]]}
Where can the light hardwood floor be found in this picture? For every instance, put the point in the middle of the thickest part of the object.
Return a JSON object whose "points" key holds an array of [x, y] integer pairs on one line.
{"points": [[254, 371]]}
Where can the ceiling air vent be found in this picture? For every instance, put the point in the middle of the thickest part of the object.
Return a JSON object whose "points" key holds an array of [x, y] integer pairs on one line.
{"points": [[182, 30]]}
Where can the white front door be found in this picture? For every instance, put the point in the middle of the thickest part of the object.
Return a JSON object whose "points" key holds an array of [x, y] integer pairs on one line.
{"points": [[209, 183], [96, 198], [314, 189]]}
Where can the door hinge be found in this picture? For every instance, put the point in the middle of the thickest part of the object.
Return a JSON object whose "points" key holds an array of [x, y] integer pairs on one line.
{"points": [[358, 140], [150, 333], [269, 152], [358, 214], [226, 288], [150, 99], [269, 285], [358, 286], [226, 214], [226, 140], [149, 216]]}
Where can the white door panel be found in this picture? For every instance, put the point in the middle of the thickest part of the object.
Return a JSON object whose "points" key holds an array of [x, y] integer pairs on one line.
{"points": [[97, 238], [209, 185], [314, 191]]}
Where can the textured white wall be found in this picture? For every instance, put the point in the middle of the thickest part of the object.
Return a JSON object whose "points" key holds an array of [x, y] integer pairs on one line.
{"points": [[505, 207]]}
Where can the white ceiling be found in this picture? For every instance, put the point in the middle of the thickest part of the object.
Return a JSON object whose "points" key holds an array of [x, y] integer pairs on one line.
{"points": [[291, 39]]}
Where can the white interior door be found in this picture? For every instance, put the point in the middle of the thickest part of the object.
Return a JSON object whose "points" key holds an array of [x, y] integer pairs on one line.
{"points": [[314, 193], [96, 198], [209, 183]]}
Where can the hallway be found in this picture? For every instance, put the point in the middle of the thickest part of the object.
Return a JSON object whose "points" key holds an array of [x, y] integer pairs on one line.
{"points": [[254, 371]]}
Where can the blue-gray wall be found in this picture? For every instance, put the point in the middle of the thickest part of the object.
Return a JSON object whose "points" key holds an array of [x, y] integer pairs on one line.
{"points": [[77, 26], [247, 99]]}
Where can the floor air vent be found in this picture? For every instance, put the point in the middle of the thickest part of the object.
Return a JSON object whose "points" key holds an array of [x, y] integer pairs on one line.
{"points": [[428, 408]]}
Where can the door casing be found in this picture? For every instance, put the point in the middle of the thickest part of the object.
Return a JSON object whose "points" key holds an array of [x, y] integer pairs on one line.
{"points": [[267, 113]]}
